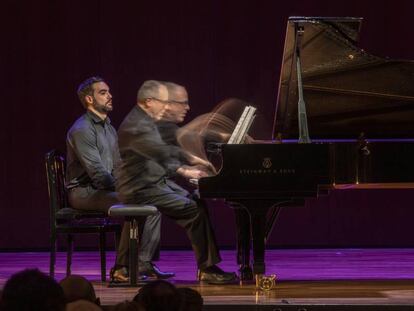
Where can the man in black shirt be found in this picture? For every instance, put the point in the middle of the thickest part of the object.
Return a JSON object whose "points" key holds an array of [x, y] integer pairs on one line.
{"points": [[144, 176], [92, 150], [92, 155]]}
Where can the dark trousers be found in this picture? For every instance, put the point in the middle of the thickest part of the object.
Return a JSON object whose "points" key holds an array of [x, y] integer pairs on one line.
{"points": [[88, 198], [175, 202]]}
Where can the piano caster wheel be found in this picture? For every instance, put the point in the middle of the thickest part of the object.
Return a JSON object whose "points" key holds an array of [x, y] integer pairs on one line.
{"points": [[246, 273]]}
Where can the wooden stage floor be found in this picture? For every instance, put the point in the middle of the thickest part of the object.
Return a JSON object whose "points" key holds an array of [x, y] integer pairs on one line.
{"points": [[311, 279]]}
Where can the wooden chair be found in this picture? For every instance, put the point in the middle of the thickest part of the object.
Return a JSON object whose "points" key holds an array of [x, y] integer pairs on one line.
{"points": [[69, 221]]}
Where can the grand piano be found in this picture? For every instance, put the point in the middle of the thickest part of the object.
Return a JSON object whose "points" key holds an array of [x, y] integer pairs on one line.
{"points": [[344, 119]]}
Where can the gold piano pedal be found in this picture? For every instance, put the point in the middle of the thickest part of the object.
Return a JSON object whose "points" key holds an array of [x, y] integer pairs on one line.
{"points": [[265, 283]]}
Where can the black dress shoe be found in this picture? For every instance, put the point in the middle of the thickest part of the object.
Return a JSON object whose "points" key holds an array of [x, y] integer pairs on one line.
{"points": [[152, 271], [214, 275]]}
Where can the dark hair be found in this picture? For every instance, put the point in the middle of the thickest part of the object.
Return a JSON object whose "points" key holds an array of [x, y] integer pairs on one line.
{"points": [[32, 290], [159, 296], [128, 306], [191, 299], [86, 88], [76, 287]]}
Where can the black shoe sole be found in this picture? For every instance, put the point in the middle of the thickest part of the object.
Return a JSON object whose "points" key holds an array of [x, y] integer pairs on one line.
{"points": [[235, 281]]}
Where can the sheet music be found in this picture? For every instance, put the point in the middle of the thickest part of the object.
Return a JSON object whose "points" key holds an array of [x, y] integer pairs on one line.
{"points": [[240, 131], [243, 125]]}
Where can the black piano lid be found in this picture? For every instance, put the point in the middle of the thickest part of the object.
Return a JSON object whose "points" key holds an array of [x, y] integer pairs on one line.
{"points": [[347, 91]]}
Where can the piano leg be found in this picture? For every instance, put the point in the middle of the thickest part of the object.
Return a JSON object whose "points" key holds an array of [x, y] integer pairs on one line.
{"points": [[258, 227], [243, 242], [252, 230]]}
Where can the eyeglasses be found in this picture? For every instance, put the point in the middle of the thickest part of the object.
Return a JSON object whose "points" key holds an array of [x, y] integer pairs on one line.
{"points": [[184, 102], [159, 100]]}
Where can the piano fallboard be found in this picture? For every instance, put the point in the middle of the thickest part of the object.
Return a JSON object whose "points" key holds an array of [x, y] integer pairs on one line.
{"points": [[286, 171]]}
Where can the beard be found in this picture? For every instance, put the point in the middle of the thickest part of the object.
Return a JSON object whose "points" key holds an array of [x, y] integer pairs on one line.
{"points": [[103, 108]]}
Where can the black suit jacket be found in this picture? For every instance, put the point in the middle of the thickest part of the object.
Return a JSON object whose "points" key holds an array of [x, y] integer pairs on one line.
{"points": [[146, 159]]}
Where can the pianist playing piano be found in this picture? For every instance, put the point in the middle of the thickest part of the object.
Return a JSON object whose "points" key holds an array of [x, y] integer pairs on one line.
{"points": [[343, 121], [174, 112], [148, 163]]}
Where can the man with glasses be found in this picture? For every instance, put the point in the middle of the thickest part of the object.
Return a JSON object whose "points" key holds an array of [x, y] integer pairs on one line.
{"points": [[144, 177], [174, 113]]}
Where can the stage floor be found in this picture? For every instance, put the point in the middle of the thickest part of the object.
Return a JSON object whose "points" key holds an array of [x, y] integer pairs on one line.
{"points": [[311, 277]]}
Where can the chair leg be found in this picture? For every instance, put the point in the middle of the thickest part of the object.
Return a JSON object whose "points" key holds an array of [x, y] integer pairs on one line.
{"points": [[102, 252], [52, 254], [117, 239], [69, 253], [133, 252]]}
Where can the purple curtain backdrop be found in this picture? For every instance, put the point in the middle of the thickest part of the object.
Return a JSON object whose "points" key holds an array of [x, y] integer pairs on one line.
{"points": [[218, 49]]}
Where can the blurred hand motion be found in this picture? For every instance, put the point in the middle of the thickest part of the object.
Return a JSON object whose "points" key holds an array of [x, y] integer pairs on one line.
{"points": [[192, 172], [213, 127]]}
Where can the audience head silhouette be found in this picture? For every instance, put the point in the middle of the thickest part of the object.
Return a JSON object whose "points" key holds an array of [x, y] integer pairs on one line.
{"points": [[32, 290], [191, 299], [128, 306], [76, 287], [82, 305], [159, 296]]}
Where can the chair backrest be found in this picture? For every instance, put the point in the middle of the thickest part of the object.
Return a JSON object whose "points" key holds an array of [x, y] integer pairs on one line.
{"points": [[55, 171]]}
